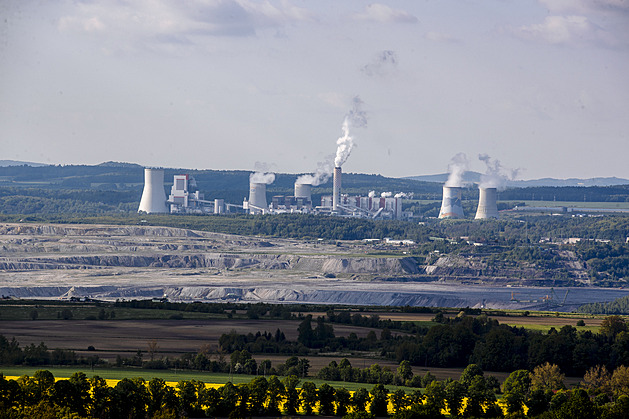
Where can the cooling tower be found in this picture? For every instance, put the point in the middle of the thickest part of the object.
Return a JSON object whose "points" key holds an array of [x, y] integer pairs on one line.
{"points": [[451, 203], [487, 207], [336, 189], [153, 196], [303, 190], [257, 197]]}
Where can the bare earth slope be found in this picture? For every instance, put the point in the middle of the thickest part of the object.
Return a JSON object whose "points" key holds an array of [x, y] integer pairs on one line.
{"points": [[111, 262]]}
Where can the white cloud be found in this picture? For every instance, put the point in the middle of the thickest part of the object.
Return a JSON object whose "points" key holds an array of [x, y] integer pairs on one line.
{"points": [[377, 12], [585, 6], [179, 21], [566, 30]]}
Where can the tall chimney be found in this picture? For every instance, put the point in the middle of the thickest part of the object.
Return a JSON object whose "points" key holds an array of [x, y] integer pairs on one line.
{"points": [[153, 196], [336, 189], [451, 203], [487, 206]]}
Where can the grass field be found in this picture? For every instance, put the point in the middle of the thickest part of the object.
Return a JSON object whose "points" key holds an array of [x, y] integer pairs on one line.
{"points": [[577, 204]]}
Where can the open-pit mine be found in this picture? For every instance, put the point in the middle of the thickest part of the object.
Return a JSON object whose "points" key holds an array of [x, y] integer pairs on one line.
{"points": [[53, 261]]}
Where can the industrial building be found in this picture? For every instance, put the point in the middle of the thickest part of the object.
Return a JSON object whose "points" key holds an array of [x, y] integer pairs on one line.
{"points": [[186, 198]]}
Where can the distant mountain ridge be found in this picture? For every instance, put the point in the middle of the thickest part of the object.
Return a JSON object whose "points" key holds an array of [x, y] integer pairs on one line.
{"points": [[475, 177], [8, 163]]}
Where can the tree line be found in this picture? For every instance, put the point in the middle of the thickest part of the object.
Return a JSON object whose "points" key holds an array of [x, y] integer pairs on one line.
{"points": [[540, 393]]}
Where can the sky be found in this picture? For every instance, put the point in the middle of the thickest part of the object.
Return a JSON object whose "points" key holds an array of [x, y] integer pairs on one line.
{"points": [[541, 87]]}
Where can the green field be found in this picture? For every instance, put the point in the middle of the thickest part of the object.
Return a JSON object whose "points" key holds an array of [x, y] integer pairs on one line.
{"points": [[577, 204]]}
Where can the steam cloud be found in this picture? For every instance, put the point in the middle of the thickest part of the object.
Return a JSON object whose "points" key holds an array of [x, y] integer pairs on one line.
{"points": [[386, 195], [261, 177], [405, 195], [321, 175], [372, 194], [356, 117], [495, 175], [457, 168]]}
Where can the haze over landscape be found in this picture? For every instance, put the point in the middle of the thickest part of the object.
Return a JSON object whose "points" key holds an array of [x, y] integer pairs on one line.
{"points": [[539, 85]]}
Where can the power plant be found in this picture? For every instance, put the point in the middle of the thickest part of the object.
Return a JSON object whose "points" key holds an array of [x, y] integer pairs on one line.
{"points": [[153, 196], [487, 206], [186, 198], [451, 203]]}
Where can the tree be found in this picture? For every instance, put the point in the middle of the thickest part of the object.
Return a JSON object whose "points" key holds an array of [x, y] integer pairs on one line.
{"points": [[326, 400], [161, 396], [308, 397], [292, 394], [516, 388], [399, 400], [360, 398], [435, 395], [153, 347], [379, 400], [405, 371], [229, 399], [469, 373], [579, 406], [597, 380], [306, 334], [478, 396], [129, 398], [343, 399], [276, 393], [612, 325], [258, 395], [547, 377], [455, 392], [620, 381]]}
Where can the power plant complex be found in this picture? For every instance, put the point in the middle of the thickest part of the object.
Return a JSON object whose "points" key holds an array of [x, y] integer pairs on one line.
{"points": [[185, 198]]}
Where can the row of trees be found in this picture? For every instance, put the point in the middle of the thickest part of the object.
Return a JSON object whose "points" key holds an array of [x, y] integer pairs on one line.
{"points": [[540, 393], [12, 354]]}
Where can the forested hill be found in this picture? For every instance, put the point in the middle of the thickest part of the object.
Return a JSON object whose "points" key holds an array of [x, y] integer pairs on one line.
{"points": [[115, 187]]}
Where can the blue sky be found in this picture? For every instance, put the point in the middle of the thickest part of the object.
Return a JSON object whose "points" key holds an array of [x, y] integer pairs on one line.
{"points": [[540, 86]]}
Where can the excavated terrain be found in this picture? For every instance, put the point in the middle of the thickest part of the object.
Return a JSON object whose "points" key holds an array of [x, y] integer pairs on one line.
{"points": [[126, 262]]}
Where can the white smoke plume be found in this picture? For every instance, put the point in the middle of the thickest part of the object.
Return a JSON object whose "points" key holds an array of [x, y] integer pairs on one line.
{"points": [[372, 194], [457, 168], [496, 176], [386, 195], [356, 117], [261, 177], [405, 195], [321, 175]]}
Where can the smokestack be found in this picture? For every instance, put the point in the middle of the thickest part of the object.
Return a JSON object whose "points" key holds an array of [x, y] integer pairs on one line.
{"points": [[451, 203], [487, 207], [303, 190], [153, 196], [336, 189], [257, 197]]}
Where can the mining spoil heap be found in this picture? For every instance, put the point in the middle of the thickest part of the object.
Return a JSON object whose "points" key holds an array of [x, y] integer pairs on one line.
{"points": [[138, 262]]}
